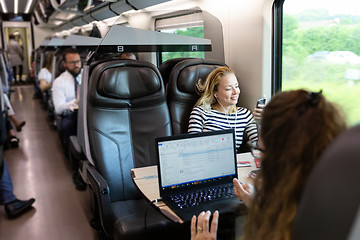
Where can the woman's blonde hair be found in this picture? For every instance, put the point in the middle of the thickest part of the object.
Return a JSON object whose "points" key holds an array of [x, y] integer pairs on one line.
{"points": [[49, 61], [296, 128], [208, 87]]}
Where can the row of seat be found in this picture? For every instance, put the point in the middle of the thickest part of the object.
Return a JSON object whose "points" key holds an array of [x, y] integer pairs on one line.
{"points": [[127, 106]]}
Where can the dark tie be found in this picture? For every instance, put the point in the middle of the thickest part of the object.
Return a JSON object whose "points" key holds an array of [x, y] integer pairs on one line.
{"points": [[76, 84]]}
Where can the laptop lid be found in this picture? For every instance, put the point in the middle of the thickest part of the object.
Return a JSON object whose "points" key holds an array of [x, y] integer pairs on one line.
{"points": [[190, 161]]}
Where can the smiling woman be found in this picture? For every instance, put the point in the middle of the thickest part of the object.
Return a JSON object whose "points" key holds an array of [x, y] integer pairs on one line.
{"points": [[216, 109]]}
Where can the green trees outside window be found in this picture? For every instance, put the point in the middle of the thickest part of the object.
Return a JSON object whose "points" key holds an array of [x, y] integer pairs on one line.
{"points": [[322, 51]]}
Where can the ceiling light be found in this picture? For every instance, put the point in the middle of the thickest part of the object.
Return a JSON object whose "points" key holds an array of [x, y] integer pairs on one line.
{"points": [[16, 5], [28, 5], [3, 6]]}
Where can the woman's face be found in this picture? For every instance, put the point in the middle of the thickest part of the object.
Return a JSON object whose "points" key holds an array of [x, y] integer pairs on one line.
{"points": [[228, 91]]}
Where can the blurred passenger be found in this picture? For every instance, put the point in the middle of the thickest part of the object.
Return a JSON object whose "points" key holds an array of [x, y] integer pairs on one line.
{"points": [[297, 126], [65, 92], [216, 109], [18, 125], [33, 79], [128, 55], [16, 56], [44, 75], [13, 206]]}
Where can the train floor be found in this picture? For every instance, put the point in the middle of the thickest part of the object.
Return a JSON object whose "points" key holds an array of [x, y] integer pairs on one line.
{"points": [[39, 169]]}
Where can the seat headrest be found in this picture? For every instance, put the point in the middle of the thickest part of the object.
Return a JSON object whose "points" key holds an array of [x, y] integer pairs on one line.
{"points": [[188, 72], [166, 67], [125, 82], [59, 66], [334, 179]]}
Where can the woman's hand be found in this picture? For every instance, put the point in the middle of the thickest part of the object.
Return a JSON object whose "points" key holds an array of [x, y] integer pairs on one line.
{"points": [[258, 111], [243, 192], [200, 229]]}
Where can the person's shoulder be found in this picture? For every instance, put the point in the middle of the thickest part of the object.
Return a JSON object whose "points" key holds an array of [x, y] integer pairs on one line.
{"points": [[200, 109], [64, 75], [244, 111], [42, 71], [61, 78]]}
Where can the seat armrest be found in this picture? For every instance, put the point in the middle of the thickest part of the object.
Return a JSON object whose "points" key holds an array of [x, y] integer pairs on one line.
{"points": [[102, 193], [76, 155]]}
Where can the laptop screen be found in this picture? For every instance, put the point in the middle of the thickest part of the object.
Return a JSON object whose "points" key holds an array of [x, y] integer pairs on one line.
{"points": [[192, 159]]}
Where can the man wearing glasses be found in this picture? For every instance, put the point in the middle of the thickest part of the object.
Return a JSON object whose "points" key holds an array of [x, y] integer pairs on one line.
{"points": [[64, 94]]}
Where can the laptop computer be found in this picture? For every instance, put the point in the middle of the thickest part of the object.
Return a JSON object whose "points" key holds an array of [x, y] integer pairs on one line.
{"points": [[196, 172]]}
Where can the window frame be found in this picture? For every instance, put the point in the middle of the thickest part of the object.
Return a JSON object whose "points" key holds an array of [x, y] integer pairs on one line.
{"points": [[169, 16], [276, 84]]}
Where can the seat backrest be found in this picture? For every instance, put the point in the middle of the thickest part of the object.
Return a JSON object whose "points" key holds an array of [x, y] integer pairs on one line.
{"points": [[59, 66], [181, 90], [126, 111], [166, 67], [331, 197]]}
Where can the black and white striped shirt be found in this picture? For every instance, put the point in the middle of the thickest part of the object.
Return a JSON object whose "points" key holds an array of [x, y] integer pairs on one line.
{"points": [[204, 121]]}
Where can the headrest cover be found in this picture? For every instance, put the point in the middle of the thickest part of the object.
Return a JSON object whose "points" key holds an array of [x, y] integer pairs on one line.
{"points": [[126, 82]]}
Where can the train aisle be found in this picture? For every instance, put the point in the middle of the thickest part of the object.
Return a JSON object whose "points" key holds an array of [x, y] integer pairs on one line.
{"points": [[39, 169]]}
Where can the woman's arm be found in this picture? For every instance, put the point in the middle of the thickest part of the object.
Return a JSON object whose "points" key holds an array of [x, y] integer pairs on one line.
{"points": [[196, 120], [251, 129], [44, 85]]}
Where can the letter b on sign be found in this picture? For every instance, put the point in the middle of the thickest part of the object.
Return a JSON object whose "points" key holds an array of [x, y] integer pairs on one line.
{"points": [[120, 48]]}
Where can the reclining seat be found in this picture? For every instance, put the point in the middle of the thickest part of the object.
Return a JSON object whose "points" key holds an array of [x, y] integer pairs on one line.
{"points": [[181, 90], [126, 111]]}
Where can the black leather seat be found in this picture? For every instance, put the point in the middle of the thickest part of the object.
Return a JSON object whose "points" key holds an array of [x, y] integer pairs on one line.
{"points": [[166, 67], [181, 90], [126, 111], [330, 202]]}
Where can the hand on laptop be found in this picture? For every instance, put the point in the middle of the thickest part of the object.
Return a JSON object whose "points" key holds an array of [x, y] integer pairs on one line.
{"points": [[243, 192], [200, 229]]}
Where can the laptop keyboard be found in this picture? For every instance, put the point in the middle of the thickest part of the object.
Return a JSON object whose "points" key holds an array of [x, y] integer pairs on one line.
{"points": [[195, 198]]}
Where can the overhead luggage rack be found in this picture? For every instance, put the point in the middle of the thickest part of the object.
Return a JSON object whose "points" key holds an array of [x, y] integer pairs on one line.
{"points": [[124, 39], [79, 41]]}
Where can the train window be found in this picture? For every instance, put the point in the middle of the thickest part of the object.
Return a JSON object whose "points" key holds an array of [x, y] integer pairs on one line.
{"points": [[321, 50], [187, 25]]}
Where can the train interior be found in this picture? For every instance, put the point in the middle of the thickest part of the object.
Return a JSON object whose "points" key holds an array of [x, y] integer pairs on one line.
{"points": [[86, 191]]}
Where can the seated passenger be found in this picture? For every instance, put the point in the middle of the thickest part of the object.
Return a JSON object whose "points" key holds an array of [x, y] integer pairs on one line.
{"points": [[128, 55], [64, 94], [18, 125], [297, 126], [45, 74], [216, 109], [12, 140]]}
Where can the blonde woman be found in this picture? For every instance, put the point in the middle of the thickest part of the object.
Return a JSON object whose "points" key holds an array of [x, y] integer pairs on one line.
{"points": [[216, 109]]}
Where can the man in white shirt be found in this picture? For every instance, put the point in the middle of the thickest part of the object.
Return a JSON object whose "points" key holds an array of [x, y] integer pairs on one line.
{"points": [[64, 94]]}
